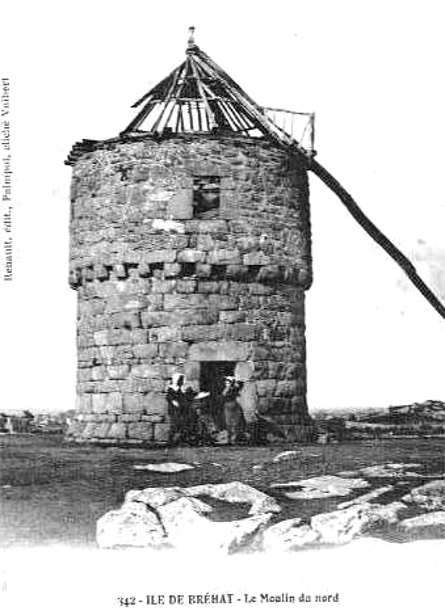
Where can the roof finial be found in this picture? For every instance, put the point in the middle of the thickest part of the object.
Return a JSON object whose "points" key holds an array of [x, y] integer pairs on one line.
{"points": [[191, 40]]}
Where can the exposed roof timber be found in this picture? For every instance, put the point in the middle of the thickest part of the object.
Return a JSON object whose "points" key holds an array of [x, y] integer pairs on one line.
{"points": [[200, 93]]}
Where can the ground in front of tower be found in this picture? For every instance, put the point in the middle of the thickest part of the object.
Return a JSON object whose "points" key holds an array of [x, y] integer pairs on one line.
{"points": [[54, 493]]}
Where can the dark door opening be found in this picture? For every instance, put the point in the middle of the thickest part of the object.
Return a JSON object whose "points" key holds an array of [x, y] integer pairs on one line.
{"points": [[211, 379]]}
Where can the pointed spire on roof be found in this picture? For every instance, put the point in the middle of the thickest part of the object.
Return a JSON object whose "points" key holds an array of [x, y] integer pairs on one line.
{"points": [[191, 46]]}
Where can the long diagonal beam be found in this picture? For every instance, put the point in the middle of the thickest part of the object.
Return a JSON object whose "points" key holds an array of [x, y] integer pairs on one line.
{"points": [[376, 234]]}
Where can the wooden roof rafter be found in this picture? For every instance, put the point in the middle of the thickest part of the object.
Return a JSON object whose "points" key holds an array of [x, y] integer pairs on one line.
{"points": [[199, 96]]}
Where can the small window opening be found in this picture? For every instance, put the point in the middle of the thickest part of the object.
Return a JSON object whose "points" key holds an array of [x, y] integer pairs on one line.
{"points": [[206, 197]]}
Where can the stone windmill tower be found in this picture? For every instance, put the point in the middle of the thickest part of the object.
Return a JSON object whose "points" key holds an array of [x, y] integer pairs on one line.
{"points": [[191, 252]]}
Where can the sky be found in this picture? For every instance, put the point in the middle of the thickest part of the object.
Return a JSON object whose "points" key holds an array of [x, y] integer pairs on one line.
{"points": [[373, 74]]}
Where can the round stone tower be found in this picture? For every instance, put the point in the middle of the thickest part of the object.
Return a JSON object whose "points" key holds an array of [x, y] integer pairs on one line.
{"points": [[190, 252]]}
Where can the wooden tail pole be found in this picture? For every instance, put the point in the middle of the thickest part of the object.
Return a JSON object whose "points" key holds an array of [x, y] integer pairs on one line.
{"points": [[404, 263]]}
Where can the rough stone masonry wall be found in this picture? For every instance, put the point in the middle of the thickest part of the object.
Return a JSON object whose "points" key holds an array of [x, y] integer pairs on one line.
{"points": [[160, 291]]}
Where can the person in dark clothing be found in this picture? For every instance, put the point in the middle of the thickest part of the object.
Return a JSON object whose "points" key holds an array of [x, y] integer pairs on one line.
{"points": [[235, 422], [175, 401], [182, 414]]}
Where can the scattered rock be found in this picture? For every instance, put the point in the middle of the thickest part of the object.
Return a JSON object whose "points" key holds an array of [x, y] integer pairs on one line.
{"points": [[367, 497], [134, 525], [385, 470], [167, 468], [154, 497], [187, 527], [430, 496], [432, 519], [284, 456], [175, 516], [237, 493], [289, 535], [341, 526], [321, 487], [391, 470]]}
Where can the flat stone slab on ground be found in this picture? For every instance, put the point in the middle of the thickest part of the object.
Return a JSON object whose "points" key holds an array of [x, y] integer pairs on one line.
{"points": [[167, 468], [385, 470], [285, 456], [321, 487], [367, 497], [237, 493]]}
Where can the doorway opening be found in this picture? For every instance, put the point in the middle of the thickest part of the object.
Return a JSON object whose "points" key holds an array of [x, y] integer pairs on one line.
{"points": [[212, 374]]}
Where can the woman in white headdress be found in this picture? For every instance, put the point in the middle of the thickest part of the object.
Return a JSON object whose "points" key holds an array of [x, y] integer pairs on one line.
{"points": [[175, 401]]}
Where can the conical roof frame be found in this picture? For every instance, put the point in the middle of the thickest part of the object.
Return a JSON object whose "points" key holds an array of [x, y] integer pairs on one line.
{"points": [[199, 96]]}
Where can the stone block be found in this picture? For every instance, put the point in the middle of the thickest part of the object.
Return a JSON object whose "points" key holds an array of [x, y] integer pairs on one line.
{"points": [[213, 287], [180, 205], [172, 270], [99, 402], [286, 388], [118, 372], [84, 403], [85, 374], [196, 317], [141, 431], [163, 286], [145, 371], [159, 256], [183, 302], [155, 301], [256, 258], [265, 387], [186, 286], [145, 351], [224, 257], [164, 334], [213, 227], [223, 302], [173, 350], [196, 333], [260, 289], [158, 319], [133, 403], [161, 431], [203, 270], [130, 417], [101, 338], [155, 403], [102, 430], [219, 351], [191, 256], [137, 385], [231, 316], [242, 332], [118, 431], [114, 402]]}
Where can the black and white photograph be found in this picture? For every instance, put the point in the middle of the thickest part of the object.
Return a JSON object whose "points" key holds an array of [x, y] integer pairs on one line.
{"points": [[222, 306]]}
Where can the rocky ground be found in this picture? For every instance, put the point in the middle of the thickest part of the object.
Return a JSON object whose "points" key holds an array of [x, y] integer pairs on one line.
{"points": [[188, 517], [276, 497]]}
